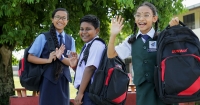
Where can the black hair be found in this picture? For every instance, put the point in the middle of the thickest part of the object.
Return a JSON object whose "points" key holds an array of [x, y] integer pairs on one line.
{"points": [[58, 63], [154, 10], [91, 19]]}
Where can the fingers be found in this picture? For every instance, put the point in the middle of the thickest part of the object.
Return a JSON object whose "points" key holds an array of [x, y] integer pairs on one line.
{"points": [[174, 21], [53, 53], [62, 47], [78, 102], [74, 54], [112, 20], [54, 58], [117, 19]]}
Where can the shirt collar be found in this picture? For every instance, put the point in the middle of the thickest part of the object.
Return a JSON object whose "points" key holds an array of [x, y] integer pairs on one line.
{"points": [[92, 40], [62, 33], [150, 33]]}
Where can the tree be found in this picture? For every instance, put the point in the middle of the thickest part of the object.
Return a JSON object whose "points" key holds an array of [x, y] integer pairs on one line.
{"points": [[22, 20]]}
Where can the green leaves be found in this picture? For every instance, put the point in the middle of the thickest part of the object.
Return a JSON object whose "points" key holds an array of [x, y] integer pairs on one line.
{"points": [[22, 20], [87, 5]]}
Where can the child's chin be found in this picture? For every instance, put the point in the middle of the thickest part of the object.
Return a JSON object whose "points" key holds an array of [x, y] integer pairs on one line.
{"points": [[85, 40]]}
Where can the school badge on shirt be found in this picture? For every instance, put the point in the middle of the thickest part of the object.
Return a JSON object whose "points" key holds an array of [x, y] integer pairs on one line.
{"points": [[152, 46]]}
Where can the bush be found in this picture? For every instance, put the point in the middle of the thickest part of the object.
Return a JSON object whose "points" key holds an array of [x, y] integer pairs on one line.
{"points": [[14, 61]]}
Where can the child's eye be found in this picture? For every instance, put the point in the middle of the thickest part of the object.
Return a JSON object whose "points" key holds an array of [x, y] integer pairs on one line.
{"points": [[147, 15], [64, 18], [137, 16], [87, 29]]}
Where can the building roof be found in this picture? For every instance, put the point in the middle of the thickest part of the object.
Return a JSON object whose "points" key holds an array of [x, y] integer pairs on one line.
{"points": [[194, 6]]}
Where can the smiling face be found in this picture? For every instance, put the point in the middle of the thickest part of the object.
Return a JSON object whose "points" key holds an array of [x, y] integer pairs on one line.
{"points": [[144, 18], [60, 20], [87, 31]]}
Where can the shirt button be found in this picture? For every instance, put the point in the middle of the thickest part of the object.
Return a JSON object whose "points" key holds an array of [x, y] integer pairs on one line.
{"points": [[144, 47], [146, 74]]}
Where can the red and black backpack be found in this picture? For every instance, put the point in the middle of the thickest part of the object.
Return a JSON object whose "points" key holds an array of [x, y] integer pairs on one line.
{"points": [[110, 82], [177, 74]]}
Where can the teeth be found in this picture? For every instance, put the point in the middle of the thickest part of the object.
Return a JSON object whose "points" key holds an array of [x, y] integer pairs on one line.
{"points": [[142, 23], [59, 24]]}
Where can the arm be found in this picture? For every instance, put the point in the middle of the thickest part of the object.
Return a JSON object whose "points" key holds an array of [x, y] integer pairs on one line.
{"points": [[88, 72], [37, 60], [36, 50], [116, 27]]}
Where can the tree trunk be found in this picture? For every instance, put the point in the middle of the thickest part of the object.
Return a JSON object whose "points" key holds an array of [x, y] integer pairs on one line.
{"points": [[6, 75]]}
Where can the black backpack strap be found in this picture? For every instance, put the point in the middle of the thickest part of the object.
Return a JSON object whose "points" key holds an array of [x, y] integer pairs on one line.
{"points": [[50, 41], [87, 50]]}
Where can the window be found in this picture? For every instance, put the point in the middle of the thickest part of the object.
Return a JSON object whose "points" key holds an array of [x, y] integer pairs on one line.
{"points": [[189, 21]]}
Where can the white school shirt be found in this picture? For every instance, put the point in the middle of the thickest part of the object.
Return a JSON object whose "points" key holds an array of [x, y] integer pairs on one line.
{"points": [[94, 58], [124, 49]]}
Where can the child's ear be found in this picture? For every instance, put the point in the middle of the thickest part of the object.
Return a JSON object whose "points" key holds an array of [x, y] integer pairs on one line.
{"points": [[97, 31], [155, 18]]}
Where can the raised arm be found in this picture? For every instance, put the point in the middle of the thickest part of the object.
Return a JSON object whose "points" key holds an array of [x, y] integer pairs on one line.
{"points": [[116, 27]]}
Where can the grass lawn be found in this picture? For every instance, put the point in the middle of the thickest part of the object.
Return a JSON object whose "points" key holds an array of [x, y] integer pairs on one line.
{"points": [[18, 85]]}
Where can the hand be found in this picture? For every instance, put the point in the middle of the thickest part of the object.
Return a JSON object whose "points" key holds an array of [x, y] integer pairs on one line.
{"points": [[52, 56], [174, 21], [73, 59], [60, 51], [116, 25], [78, 99]]}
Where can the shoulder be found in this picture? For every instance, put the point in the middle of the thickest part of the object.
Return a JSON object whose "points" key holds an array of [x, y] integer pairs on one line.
{"points": [[99, 42], [97, 46], [41, 37], [67, 35]]}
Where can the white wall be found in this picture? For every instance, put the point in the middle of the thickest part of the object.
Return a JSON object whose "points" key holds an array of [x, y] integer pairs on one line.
{"points": [[197, 32]]}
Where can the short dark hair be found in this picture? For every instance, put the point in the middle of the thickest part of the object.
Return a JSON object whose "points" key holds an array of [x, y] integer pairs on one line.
{"points": [[91, 19]]}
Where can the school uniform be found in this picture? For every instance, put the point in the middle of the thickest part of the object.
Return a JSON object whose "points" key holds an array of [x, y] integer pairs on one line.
{"points": [[143, 54], [94, 58], [53, 91]]}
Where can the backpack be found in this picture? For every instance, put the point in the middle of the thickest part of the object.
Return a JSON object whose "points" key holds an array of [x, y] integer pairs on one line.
{"points": [[177, 75], [110, 82], [30, 74]]}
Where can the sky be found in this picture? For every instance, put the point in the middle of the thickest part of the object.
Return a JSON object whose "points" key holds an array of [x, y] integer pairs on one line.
{"points": [[190, 2]]}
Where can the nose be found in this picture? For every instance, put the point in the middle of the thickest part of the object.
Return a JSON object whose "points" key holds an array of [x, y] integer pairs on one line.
{"points": [[84, 31], [142, 18]]}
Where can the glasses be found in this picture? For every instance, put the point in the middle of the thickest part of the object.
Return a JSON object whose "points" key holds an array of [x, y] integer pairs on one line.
{"points": [[137, 16], [58, 18]]}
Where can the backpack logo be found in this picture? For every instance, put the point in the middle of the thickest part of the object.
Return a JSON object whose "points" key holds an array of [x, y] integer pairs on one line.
{"points": [[179, 51]]}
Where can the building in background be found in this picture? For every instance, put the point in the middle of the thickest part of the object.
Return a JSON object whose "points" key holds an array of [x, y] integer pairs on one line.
{"points": [[192, 18]]}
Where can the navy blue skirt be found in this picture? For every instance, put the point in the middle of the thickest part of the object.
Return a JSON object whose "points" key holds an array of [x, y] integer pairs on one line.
{"points": [[54, 94]]}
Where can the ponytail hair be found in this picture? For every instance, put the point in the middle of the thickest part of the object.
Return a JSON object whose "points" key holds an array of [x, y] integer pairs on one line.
{"points": [[57, 65], [133, 37]]}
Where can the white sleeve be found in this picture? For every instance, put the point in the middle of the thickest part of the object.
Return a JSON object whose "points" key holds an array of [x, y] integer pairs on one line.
{"points": [[124, 49], [95, 54]]}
